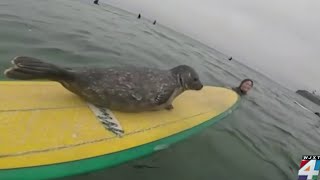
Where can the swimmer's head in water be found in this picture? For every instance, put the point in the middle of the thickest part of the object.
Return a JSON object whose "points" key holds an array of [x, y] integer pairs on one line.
{"points": [[246, 85]]}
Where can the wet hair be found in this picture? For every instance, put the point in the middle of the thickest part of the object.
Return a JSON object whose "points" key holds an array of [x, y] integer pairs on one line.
{"points": [[245, 80], [238, 89]]}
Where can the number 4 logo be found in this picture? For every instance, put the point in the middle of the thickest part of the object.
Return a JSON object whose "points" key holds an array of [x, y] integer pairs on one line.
{"points": [[309, 170]]}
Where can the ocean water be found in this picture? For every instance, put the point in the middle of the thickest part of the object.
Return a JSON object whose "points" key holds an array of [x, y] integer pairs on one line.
{"points": [[263, 139]]}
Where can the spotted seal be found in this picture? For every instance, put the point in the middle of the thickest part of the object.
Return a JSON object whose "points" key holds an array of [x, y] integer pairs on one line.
{"points": [[126, 88]]}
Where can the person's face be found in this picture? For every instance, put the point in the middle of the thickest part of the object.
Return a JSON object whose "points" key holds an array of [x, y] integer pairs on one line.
{"points": [[246, 86]]}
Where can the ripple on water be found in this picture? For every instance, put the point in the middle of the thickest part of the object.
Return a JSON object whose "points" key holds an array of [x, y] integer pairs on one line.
{"points": [[11, 38]]}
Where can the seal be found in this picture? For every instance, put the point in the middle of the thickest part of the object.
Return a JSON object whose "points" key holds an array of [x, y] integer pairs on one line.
{"points": [[123, 88]]}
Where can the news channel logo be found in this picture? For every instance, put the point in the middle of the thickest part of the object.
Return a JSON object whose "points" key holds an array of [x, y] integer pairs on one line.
{"points": [[309, 167]]}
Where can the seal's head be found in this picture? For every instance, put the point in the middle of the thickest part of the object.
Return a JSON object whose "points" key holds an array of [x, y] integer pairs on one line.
{"points": [[187, 77]]}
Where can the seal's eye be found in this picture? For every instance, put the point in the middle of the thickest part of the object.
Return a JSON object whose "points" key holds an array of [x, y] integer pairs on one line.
{"points": [[195, 79]]}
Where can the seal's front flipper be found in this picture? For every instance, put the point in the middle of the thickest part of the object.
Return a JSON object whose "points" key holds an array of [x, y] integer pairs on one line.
{"points": [[169, 107], [163, 96]]}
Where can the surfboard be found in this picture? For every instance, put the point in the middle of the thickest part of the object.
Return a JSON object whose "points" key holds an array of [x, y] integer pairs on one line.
{"points": [[48, 132], [303, 107]]}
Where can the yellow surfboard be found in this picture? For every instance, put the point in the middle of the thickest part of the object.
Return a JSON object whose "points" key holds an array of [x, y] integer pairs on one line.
{"points": [[48, 132]]}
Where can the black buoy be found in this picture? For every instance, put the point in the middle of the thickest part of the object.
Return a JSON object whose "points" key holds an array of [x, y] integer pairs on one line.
{"points": [[154, 22], [96, 2], [139, 16], [230, 58], [317, 113]]}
